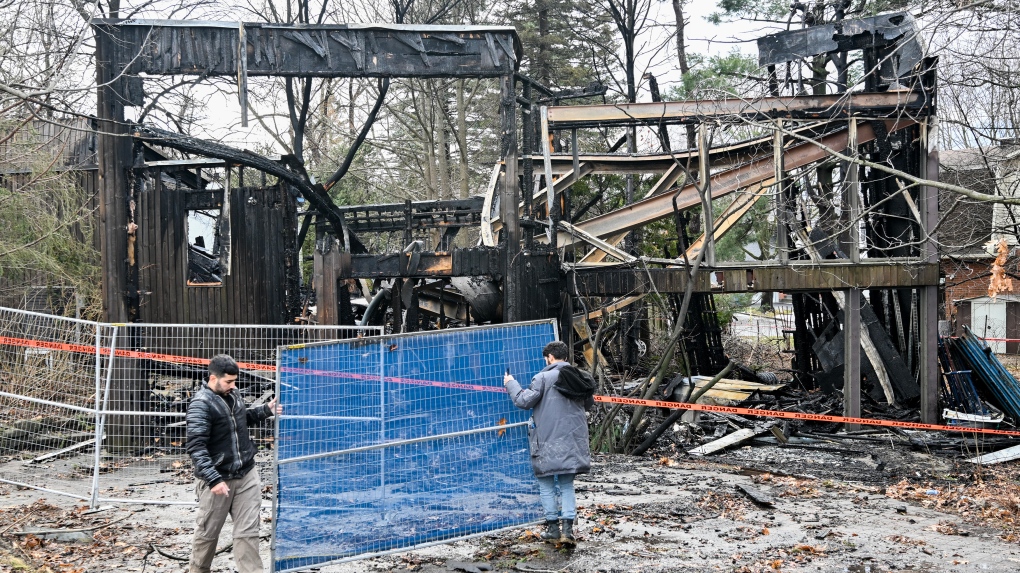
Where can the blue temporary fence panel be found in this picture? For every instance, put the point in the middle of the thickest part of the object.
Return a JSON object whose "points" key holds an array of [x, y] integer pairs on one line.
{"points": [[395, 442]]}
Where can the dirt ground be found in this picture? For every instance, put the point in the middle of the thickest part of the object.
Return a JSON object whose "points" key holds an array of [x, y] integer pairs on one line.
{"points": [[865, 508]]}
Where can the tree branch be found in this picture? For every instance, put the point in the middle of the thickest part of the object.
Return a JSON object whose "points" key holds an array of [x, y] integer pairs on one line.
{"points": [[384, 86]]}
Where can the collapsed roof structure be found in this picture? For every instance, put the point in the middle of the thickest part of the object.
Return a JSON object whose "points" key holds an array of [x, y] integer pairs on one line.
{"points": [[842, 174]]}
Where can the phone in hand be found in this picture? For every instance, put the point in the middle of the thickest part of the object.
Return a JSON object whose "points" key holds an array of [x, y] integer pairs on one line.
{"points": [[508, 371]]}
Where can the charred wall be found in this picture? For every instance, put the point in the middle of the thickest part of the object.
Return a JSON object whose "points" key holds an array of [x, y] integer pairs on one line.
{"points": [[261, 286]]}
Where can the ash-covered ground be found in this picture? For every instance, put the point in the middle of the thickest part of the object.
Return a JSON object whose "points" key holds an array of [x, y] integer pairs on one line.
{"points": [[861, 507]]}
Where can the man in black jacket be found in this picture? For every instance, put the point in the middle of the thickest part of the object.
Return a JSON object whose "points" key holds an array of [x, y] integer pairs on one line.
{"points": [[224, 457]]}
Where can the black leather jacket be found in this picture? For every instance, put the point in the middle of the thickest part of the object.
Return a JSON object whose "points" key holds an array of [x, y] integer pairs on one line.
{"points": [[218, 438]]}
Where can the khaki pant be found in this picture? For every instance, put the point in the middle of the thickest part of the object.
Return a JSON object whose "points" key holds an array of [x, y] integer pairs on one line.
{"points": [[242, 504]]}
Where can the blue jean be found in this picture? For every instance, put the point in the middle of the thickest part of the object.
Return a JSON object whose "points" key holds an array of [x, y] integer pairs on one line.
{"points": [[563, 485]]}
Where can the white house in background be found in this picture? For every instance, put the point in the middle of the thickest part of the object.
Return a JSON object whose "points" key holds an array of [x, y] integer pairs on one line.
{"points": [[1006, 164], [989, 318]]}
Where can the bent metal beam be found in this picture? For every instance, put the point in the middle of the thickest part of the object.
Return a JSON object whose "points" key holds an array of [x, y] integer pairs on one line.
{"points": [[821, 107], [641, 213]]}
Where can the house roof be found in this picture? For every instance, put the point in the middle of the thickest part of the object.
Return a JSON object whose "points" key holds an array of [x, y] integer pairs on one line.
{"points": [[1003, 298], [58, 144], [962, 159], [966, 227], [972, 158]]}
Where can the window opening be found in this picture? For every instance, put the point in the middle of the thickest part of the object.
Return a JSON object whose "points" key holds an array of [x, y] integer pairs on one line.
{"points": [[204, 268]]}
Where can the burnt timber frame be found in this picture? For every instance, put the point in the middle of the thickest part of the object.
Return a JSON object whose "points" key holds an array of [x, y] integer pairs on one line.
{"points": [[867, 117], [128, 48]]}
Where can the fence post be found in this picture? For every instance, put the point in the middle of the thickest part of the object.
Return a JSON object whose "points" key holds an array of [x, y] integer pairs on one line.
{"points": [[94, 493], [101, 420], [382, 424], [275, 467]]}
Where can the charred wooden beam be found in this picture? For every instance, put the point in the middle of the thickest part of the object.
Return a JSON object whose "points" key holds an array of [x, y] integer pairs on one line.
{"points": [[113, 156], [314, 194], [203, 199], [170, 47], [822, 107], [894, 33], [424, 215], [457, 263], [758, 278]]}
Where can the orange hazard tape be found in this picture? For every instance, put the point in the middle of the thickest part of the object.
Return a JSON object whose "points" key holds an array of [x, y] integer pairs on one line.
{"points": [[83, 348], [86, 349], [799, 416]]}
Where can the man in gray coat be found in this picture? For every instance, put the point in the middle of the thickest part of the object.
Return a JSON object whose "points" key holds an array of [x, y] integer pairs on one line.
{"points": [[558, 437]]}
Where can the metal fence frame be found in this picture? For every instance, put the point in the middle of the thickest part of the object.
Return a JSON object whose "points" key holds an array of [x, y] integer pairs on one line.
{"points": [[106, 336], [381, 339]]}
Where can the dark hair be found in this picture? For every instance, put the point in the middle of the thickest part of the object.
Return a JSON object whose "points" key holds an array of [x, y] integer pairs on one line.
{"points": [[557, 349], [222, 364]]}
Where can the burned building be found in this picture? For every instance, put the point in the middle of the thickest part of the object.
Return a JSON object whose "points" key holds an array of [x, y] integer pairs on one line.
{"points": [[843, 174]]}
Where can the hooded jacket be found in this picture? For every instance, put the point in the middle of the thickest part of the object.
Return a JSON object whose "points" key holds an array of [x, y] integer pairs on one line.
{"points": [[559, 435], [218, 439]]}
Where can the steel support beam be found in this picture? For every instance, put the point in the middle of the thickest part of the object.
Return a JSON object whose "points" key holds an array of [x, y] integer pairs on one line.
{"points": [[833, 106], [642, 212], [854, 196]]}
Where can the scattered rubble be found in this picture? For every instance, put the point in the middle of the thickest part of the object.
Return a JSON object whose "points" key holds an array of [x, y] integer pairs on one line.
{"points": [[893, 508]]}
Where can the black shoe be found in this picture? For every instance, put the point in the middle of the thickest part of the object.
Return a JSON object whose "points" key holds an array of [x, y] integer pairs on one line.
{"points": [[567, 538], [552, 531]]}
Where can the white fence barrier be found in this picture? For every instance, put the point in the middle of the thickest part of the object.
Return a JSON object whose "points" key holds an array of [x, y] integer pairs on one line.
{"points": [[67, 385]]}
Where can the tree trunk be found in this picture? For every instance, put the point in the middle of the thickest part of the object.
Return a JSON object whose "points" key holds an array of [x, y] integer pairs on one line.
{"points": [[543, 66], [440, 120], [681, 53], [462, 140]]}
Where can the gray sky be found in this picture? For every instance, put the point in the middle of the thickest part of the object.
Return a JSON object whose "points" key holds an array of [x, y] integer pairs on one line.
{"points": [[222, 111]]}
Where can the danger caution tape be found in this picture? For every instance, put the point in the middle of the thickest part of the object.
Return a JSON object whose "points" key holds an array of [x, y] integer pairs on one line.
{"points": [[123, 353], [177, 359], [754, 412], [799, 416]]}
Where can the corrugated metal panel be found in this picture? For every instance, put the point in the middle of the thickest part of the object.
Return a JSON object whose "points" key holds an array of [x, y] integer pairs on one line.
{"points": [[989, 371]]}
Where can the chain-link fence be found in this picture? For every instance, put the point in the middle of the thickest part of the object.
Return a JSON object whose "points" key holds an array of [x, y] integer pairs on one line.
{"points": [[395, 442], [66, 385]]}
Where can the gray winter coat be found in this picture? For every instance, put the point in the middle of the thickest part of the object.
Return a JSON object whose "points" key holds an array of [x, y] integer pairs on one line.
{"points": [[559, 435]]}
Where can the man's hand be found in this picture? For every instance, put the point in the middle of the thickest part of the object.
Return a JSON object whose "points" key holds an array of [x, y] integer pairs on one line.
{"points": [[507, 378], [275, 408], [220, 489]]}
